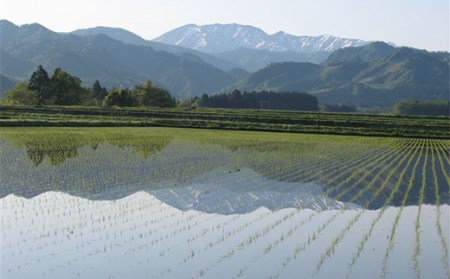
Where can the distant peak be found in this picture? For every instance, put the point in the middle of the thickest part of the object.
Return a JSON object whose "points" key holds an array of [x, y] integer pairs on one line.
{"points": [[223, 37], [7, 22]]}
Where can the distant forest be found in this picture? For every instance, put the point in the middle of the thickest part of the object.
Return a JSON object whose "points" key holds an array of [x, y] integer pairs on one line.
{"points": [[64, 89], [61, 88], [261, 100], [419, 107]]}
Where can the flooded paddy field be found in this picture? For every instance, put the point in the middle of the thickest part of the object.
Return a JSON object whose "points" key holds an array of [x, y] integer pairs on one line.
{"points": [[182, 203]]}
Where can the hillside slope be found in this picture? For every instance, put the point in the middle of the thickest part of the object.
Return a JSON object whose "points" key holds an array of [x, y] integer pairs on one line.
{"points": [[364, 77], [99, 57]]}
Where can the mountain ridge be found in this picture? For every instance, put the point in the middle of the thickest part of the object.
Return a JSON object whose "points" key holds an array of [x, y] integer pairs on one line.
{"points": [[245, 58], [375, 74], [214, 38], [129, 37], [365, 79], [102, 58]]}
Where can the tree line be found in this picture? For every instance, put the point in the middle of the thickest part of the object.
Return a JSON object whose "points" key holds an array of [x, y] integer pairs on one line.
{"points": [[260, 100], [420, 107], [64, 89]]}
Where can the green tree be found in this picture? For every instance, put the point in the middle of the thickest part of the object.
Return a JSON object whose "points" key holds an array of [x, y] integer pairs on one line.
{"points": [[65, 89], [148, 94], [119, 97], [20, 94], [99, 92], [39, 82], [423, 107]]}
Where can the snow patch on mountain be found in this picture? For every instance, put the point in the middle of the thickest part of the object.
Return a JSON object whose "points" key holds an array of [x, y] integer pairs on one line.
{"points": [[225, 37]]}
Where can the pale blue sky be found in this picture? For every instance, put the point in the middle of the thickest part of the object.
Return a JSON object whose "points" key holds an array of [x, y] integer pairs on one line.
{"points": [[416, 23]]}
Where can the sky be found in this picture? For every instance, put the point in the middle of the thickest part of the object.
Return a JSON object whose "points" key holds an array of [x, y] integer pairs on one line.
{"points": [[421, 24]]}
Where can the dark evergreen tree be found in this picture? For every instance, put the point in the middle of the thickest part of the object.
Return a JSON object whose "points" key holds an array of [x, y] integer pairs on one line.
{"points": [[422, 107], [39, 83], [263, 99], [235, 99], [204, 100], [98, 92]]}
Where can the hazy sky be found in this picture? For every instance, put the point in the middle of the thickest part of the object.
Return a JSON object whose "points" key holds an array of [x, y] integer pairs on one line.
{"points": [[416, 23]]}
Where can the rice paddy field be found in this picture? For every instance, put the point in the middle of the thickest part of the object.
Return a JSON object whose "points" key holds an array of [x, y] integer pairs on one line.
{"points": [[185, 203]]}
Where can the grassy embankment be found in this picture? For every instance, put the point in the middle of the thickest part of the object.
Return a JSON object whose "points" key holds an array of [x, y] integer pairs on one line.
{"points": [[253, 120]]}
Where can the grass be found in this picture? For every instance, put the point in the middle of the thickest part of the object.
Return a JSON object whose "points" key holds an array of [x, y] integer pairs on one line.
{"points": [[228, 119]]}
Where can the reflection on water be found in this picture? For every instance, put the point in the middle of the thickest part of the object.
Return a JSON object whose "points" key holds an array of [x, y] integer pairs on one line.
{"points": [[56, 235], [221, 174], [172, 203]]}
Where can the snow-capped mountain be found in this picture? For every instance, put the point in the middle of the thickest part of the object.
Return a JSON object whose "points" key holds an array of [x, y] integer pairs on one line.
{"points": [[217, 38]]}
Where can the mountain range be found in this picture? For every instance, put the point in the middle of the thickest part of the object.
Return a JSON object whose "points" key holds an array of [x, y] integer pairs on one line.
{"points": [[216, 38], [102, 58], [356, 72], [373, 75], [128, 37], [242, 56]]}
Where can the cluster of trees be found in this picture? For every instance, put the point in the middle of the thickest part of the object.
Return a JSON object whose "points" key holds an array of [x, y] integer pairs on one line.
{"points": [[338, 108], [64, 89], [419, 107], [261, 100]]}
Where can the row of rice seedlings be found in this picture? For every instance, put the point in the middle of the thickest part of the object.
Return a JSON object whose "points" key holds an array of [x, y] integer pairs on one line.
{"points": [[325, 164], [444, 243], [392, 157], [98, 223], [265, 174], [366, 169], [196, 253], [444, 146], [301, 168], [135, 226], [251, 239], [115, 174], [311, 174], [415, 257], [333, 173], [343, 169], [284, 236], [314, 237], [225, 235], [366, 237], [354, 163], [393, 171], [331, 249], [193, 238], [274, 243], [190, 256], [397, 218], [444, 153], [304, 245], [107, 179]]}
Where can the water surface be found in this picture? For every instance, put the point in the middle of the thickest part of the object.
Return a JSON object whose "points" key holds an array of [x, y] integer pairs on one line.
{"points": [[174, 203]]}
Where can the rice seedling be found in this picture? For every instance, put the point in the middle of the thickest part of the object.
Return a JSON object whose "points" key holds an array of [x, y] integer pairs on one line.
{"points": [[162, 201]]}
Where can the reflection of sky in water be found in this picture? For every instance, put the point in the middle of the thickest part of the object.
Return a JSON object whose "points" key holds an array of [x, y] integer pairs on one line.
{"points": [[109, 206], [212, 178], [55, 235]]}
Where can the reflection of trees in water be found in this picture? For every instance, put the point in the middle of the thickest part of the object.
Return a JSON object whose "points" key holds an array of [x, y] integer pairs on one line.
{"points": [[59, 147], [57, 156], [110, 170]]}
